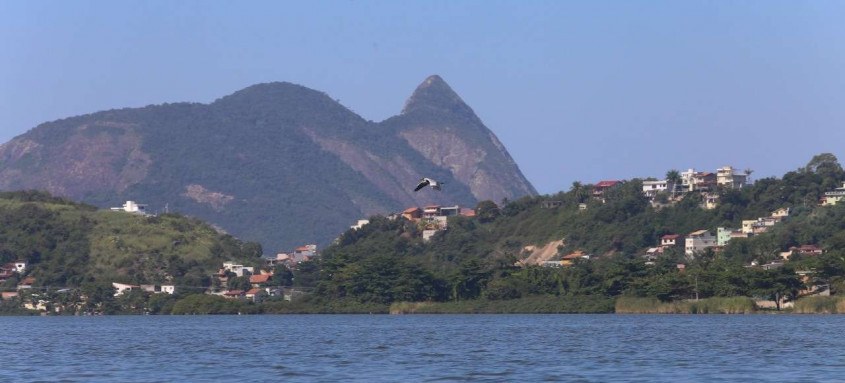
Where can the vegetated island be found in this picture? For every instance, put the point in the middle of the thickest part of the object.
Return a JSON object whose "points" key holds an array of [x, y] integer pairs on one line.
{"points": [[615, 246]]}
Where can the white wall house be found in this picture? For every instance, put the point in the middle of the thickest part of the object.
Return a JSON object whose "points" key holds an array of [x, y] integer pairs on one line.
{"points": [[698, 241], [122, 288], [132, 207], [651, 188], [237, 269]]}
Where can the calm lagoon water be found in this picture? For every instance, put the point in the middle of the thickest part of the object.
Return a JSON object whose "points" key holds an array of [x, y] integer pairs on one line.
{"points": [[424, 348]]}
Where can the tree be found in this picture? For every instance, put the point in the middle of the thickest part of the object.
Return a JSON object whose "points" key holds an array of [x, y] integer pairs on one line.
{"points": [[487, 211], [673, 178], [239, 283]]}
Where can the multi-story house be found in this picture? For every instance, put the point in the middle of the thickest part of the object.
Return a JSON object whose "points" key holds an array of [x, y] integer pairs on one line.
{"points": [[832, 197], [698, 241], [727, 177]]}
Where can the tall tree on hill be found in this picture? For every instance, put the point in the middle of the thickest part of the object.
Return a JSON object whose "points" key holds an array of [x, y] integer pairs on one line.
{"points": [[673, 178]]}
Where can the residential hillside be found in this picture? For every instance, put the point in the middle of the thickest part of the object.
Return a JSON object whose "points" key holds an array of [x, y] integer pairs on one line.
{"points": [[275, 163], [775, 238]]}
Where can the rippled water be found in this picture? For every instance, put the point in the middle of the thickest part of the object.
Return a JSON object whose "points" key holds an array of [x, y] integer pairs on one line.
{"points": [[424, 348]]}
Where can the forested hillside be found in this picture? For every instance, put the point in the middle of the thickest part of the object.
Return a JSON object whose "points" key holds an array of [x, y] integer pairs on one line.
{"points": [[386, 261], [68, 245]]}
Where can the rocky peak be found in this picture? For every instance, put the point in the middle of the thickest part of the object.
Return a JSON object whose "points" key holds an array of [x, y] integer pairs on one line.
{"points": [[434, 94]]}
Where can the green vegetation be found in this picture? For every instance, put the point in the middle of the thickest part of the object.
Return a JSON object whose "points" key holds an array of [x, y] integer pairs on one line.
{"points": [[70, 245], [715, 305], [472, 265]]}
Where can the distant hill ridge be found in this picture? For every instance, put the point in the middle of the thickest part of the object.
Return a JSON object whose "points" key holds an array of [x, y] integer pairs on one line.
{"points": [[277, 163]]}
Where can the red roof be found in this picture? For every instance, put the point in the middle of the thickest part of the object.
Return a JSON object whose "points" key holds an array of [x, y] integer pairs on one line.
{"points": [[466, 212], [259, 278], [670, 236], [302, 248], [606, 184], [410, 210], [253, 291], [28, 281]]}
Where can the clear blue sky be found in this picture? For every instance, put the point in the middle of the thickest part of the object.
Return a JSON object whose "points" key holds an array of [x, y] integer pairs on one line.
{"points": [[577, 91]]}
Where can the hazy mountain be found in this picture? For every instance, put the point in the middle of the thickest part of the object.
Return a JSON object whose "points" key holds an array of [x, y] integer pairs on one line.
{"points": [[276, 163]]}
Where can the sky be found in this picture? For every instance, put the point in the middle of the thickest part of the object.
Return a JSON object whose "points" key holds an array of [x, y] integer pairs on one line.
{"points": [[576, 91]]}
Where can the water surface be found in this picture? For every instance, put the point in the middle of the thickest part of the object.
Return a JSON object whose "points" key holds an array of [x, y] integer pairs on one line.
{"points": [[424, 348]]}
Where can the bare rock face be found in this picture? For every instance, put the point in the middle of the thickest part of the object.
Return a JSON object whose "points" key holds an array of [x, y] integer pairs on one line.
{"points": [[94, 156], [276, 163], [440, 126]]}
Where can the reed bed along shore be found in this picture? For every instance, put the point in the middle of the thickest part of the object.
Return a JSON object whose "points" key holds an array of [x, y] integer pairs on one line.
{"points": [[729, 305]]}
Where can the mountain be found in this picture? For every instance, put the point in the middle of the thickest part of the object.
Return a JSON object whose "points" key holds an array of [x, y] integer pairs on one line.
{"points": [[276, 163]]}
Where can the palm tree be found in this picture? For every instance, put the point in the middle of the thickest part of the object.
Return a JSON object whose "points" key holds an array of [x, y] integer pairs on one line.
{"points": [[673, 178], [577, 191], [748, 175]]}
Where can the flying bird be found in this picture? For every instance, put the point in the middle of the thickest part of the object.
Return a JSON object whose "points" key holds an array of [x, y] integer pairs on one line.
{"points": [[428, 182]]}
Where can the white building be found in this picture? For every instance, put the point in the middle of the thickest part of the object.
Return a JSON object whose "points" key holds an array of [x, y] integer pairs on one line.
{"points": [[698, 241], [132, 207], [237, 269], [651, 188], [122, 288], [360, 224], [20, 266]]}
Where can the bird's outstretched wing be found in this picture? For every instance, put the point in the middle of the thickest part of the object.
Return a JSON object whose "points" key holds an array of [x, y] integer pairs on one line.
{"points": [[422, 184]]}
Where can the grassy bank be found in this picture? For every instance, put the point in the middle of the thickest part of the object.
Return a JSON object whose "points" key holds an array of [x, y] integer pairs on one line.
{"points": [[820, 305], [730, 305], [530, 305]]}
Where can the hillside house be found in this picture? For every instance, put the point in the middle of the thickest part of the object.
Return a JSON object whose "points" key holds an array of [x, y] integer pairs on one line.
{"points": [[132, 207], [670, 240], [692, 180], [781, 213], [121, 288], [304, 253], [450, 211], [259, 280], [833, 197], [651, 188], [158, 289], [603, 186], [699, 241], [728, 178], [569, 259], [360, 224], [723, 236], [238, 270], [710, 201], [412, 213], [467, 212]]}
